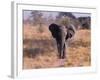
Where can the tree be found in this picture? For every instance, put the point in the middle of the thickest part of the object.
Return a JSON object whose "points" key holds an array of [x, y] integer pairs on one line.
{"points": [[50, 19], [85, 22], [40, 22], [38, 19], [34, 16], [63, 18], [69, 14], [66, 18]]}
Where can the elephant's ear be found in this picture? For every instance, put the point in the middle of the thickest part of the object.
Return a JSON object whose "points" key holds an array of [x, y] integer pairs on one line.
{"points": [[54, 29], [70, 31]]}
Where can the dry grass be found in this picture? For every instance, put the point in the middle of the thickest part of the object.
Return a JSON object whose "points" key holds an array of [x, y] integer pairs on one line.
{"points": [[40, 49]]}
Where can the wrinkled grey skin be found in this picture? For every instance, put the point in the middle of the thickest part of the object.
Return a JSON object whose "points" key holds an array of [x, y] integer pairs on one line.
{"points": [[61, 35]]}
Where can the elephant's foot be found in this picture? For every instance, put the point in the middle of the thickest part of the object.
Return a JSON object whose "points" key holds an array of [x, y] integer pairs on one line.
{"points": [[61, 62]]}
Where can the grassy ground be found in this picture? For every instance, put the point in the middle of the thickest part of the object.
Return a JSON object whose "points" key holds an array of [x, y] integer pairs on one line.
{"points": [[40, 49]]}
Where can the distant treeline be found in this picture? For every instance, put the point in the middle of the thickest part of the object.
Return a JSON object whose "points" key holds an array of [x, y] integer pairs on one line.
{"points": [[85, 22], [38, 18]]}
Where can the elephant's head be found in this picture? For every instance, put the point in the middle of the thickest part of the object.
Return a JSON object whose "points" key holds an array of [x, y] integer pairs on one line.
{"points": [[61, 34]]}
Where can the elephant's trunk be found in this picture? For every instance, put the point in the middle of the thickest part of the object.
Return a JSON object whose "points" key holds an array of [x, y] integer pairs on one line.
{"points": [[63, 44]]}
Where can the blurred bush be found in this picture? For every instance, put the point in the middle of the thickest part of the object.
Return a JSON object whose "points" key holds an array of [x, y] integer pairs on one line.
{"points": [[65, 20]]}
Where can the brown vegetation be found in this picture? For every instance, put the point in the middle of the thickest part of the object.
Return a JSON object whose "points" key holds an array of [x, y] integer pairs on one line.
{"points": [[40, 49]]}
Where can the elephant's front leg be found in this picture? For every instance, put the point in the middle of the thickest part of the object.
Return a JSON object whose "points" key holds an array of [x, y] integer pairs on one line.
{"points": [[64, 51], [59, 50], [62, 55], [63, 45]]}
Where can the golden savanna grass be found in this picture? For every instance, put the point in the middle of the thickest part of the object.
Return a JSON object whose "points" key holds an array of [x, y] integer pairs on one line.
{"points": [[40, 50]]}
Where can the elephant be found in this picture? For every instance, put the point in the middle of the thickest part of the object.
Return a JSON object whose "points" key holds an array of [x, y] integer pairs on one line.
{"points": [[61, 34]]}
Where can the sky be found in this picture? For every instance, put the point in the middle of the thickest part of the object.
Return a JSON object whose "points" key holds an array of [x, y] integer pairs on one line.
{"points": [[27, 14]]}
